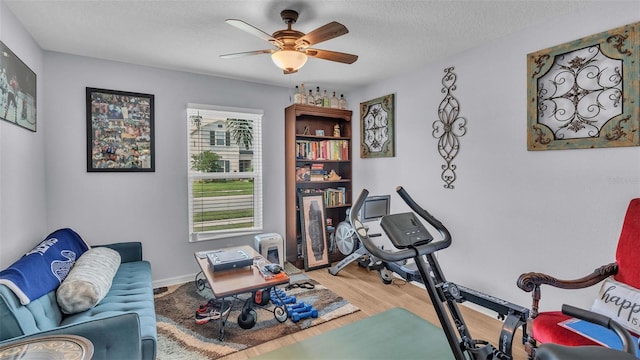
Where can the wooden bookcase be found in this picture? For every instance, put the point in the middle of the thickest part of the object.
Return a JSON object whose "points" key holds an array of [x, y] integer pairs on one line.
{"points": [[301, 123]]}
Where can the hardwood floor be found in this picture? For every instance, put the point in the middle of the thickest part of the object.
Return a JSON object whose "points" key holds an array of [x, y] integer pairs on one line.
{"points": [[364, 289]]}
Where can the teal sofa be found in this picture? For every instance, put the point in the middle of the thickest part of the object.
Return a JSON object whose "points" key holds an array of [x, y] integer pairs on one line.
{"points": [[121, 326]]}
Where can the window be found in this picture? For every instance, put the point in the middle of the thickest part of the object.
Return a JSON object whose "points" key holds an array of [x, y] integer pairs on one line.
{"points": [[222, 166], [245, 165], [224, 172], [219, 138]]}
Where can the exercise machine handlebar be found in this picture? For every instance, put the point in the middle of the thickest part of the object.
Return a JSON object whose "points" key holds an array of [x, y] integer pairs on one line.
{"points": [[408, 253], [628, 344]]}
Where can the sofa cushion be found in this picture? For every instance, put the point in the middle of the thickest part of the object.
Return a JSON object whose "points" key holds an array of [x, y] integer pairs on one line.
{"points": [[88, 281], [131, 292], [40, 314], [42, 269]]}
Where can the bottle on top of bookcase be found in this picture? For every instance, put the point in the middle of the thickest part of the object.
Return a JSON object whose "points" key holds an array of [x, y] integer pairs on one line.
{"points": [[325, 99], [297, 97], [318, 97], [303, 95], [316, 164], [342, 102], [310, 99], [334, 103]]}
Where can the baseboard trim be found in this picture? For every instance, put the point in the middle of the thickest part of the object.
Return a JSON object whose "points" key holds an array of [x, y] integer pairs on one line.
{"points": [[174, 280]]}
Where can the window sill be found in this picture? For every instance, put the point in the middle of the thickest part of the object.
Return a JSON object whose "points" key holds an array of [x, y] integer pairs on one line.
{"points": [[197, 237]]}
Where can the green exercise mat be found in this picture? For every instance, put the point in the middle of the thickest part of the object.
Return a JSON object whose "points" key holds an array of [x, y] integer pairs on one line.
{"points": [[393, 334]]}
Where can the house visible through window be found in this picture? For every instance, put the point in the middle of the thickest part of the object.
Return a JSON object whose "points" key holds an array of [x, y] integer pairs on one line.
{"points": [[225, 171], [220, 138]]}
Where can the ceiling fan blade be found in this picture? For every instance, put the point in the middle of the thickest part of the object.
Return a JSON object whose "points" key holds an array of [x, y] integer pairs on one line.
{"points": [[331, 55], [247, 53], [254, 31], [323, 33]]}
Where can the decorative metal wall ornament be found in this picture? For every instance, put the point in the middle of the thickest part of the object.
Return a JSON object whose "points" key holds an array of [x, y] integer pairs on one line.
{"points": [[584, 94], [449, 128], [377, 127]]}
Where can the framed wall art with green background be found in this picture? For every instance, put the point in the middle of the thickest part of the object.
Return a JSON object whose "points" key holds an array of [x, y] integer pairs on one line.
{"points": [[377, 121], [584, 93]]}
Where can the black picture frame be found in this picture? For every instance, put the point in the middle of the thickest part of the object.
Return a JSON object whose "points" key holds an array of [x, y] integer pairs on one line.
{"points": [[314, 235], [120, 131], [18, 90]]}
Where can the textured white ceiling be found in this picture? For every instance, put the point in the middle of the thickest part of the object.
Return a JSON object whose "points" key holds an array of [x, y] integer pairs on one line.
{"points": [[389, 36]]}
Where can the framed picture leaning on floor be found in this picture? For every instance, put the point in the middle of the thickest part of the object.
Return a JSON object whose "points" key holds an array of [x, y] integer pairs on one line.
{"points": [[314, 237]]}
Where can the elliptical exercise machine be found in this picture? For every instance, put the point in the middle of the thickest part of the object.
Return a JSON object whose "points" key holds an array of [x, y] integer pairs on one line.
{"points": [[413, 241], [346, 240]]}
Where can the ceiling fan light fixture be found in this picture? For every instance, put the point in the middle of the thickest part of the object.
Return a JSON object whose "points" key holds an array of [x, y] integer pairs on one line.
{"points": [[289, 60]]}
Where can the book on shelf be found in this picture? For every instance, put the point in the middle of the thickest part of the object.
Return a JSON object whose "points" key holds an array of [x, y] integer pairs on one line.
{"points": [[335, 197], [318, 172], [331, 196], [322, 150]]}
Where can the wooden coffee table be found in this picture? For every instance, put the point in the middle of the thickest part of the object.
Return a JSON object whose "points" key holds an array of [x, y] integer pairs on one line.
{"points": [[229, 283]]}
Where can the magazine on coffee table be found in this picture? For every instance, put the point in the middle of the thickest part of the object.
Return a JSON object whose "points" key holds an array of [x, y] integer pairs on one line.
{"points": [[594, 332]]}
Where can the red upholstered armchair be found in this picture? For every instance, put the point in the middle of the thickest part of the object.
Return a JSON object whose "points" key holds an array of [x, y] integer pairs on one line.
{"points": [[544, 326]]}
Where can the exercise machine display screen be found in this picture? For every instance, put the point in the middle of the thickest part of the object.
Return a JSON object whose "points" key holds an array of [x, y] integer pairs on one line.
{"points": [[375, 207]]}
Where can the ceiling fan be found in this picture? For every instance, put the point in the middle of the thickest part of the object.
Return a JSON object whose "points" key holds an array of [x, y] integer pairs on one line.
{"points": [[292, 47]]}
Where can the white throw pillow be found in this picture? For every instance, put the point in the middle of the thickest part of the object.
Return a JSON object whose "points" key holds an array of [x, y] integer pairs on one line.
{"points": [[88, 281], [620, 302]]}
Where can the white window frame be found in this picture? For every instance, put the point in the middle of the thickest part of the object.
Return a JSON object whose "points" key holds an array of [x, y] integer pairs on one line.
{"points": [[256, 174]]}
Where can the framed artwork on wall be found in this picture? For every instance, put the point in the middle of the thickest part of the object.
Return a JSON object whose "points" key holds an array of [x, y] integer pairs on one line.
{"points": [[585, 93], [120, 135], [377, 121], [17, 90], [314, 236]]}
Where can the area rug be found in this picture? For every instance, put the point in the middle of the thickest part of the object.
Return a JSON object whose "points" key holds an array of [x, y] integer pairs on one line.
{"points": [[179, 337]]}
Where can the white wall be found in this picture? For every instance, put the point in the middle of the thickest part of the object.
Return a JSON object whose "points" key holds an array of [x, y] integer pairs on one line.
{"points": [[512, 211], [22, 176], [147, 207]]}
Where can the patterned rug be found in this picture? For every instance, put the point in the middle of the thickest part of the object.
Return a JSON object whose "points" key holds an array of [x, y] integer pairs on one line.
{"points": [[179, 337]]}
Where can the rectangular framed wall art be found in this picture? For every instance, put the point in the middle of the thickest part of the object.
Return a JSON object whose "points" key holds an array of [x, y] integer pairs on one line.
{"points": [[119, 131], [585, 93], [17, 90], [314, 236], [377, 122]]}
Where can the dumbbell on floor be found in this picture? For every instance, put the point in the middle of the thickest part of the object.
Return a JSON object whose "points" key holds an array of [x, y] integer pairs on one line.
{"points": [[279, 297], [297, 316], [298, 307]]}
